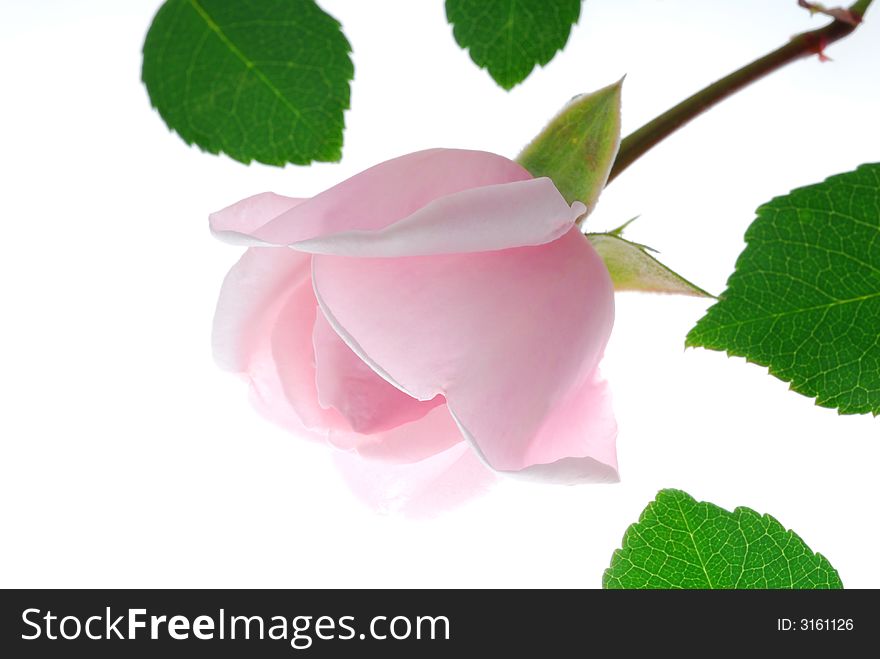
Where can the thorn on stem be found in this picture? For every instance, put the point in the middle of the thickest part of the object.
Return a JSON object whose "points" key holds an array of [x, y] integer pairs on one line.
{"points": [[820, 50], [837, 13]]}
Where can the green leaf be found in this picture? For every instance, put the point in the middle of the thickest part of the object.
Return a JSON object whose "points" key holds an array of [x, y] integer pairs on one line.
{"points": [[805, 297], [682, 543], [509, 37], [577, 148], [264, 80], [632, 268]]}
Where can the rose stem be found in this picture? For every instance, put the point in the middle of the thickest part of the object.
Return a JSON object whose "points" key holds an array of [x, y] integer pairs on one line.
{"points": [[638, 143]]}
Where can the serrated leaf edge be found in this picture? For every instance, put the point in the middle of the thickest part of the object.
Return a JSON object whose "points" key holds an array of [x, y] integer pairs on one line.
{"points": [[739, 510]]}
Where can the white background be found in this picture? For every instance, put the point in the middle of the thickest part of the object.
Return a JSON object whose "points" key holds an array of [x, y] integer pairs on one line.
{"points": [[129, 459]]}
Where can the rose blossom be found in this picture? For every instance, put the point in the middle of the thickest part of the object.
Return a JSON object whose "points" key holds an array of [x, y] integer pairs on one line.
{"points": [[434, 308]]}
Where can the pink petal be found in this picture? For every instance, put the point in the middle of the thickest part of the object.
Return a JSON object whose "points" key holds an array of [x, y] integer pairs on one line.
{"points": [[430, 481], [251, 297], [263, 329], [268, 397], [430, 202], [576, 444], [294, 356], [434, 433], [347, 384], [494, 217], [248, 215], [505, 336], [389, 191]]}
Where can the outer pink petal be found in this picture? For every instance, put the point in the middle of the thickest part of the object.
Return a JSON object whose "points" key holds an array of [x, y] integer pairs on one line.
{"points": [[269, 398], [294, 356], [506, 336], [440, 472], [347, 384], [251, 297], [493, 217], [248, 215], [263, 330], [389, 191], [411, 442], [577, 443], [432, 202]]}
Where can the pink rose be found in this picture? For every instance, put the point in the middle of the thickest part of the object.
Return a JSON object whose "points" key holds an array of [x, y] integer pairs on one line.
{"points": [[433, 309]]}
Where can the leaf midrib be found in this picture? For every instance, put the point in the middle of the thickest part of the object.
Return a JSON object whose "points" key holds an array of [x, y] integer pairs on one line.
{"points": [[793, 312], [694, 542], [250, 65], [509, 26]]}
